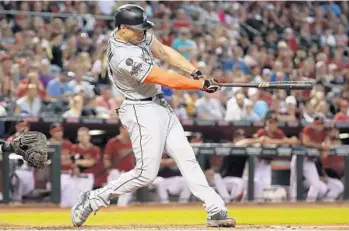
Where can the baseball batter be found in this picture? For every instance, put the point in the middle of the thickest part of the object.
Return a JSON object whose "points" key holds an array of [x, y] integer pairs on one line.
{"points": [[151, 123]]}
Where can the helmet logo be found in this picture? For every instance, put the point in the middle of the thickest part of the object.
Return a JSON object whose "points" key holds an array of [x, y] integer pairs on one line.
{"points": [[144, 16]]}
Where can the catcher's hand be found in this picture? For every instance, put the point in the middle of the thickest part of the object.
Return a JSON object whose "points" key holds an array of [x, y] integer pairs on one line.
{"points": [[31, 145], [211, 85]]}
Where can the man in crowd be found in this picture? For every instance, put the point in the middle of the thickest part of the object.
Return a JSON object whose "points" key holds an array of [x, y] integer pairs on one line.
{"points": [[233, 166], [119, 158], [56, 132], [170, 182], [313, 136], [271, 135], [22, 179], [73, 182], [87, 157]]}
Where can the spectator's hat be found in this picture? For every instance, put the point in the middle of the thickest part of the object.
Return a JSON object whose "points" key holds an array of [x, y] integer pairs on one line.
{"points": [[291, 100]]}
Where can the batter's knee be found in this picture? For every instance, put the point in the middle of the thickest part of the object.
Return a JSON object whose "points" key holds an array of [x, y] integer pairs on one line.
{"points": [[146, 176]]}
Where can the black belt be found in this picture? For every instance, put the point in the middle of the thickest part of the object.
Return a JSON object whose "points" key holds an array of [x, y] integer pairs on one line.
{"points": [[158, 96]]}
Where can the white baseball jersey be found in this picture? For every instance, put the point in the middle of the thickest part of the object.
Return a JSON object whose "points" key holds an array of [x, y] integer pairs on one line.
{"points": [[129, 65]]}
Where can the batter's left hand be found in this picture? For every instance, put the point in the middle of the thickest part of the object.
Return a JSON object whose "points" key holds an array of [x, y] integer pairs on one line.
{"points": [[197, 74], [210, 85]]}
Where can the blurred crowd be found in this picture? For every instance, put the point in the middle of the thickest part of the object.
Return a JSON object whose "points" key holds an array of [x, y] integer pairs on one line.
{"points": [[57, 66]]}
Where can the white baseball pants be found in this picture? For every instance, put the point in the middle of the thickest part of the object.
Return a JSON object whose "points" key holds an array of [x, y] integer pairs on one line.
{"points": [[154, 128], [262, 179], [123, 199], [317, 188], [174, 186]]}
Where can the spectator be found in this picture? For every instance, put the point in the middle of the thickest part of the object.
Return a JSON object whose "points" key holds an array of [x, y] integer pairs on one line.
{"points": [[183, 44], [119, 158], [342, 115], [235, 107], [56, 56], [209, 108], [260, 106], [179, 108], [313, 136], [88, 156], [106, 101], [76, 106], [333, 165], [79, 85], [322, 109], [170, 182], [232, 167], [29, 105], [56, 132], [335, 100], [58, 88], [22, 179], [309, 110], [44, 74], [33, 78], [248, 113], [181, 20], [290, 114]]}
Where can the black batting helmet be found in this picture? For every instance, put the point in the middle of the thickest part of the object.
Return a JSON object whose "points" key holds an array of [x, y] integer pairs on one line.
{"points": [[133, 16]]}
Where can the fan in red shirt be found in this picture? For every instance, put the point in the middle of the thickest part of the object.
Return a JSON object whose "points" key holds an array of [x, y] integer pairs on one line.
{"points": [[313, 136], [56, 132], [271, 135], [118, 152], [33, 78], [119, 158], [274, 135], [88, 157], [342, 115], [181, 20]]}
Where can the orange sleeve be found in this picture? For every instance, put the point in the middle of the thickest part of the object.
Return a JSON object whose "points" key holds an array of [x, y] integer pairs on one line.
{"points": [[172, 80]]}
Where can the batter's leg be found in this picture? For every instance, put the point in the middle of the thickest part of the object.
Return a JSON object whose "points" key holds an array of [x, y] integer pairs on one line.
{"points": [[293, 179], [148, 139], [179, 148]]}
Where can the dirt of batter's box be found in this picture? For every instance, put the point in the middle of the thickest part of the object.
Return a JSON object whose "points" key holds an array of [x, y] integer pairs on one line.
{"points": [[176, 227]]}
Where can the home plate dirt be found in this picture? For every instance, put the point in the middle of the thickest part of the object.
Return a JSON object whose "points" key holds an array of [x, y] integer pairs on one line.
{"points": [[283, 216], [180, 227]]}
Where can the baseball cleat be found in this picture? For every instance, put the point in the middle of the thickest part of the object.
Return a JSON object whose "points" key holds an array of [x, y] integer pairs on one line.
{"points": [[81, 210], [221, 219]]}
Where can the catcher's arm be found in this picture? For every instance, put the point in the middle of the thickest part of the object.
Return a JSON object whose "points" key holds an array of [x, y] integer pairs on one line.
{"points": [[172, 57]]}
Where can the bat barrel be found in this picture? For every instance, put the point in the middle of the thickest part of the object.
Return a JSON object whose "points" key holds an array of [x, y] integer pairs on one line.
{"points": [[287, 85]]}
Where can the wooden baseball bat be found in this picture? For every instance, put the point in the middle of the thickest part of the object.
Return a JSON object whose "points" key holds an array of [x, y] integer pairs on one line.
{"points": [[287, 85]]}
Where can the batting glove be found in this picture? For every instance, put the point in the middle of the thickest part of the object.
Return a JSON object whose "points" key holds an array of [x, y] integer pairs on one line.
{"points": [[197, 74], [210, 85]]}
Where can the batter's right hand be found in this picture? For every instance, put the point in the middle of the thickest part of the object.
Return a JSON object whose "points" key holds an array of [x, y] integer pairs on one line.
{"points": [[210, 85]]}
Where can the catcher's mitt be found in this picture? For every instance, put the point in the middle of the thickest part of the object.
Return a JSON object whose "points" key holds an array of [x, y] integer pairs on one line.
{"points": [[31, 145]]}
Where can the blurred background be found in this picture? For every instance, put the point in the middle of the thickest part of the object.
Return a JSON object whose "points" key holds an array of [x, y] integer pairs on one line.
{"points": [[53, 79]]}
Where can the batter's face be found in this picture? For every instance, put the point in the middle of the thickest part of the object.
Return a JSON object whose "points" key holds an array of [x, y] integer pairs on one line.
{"points": [[132, 35]]}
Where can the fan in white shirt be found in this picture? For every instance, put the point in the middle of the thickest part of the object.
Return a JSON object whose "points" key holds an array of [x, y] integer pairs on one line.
{"points": [[30, 104]]}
